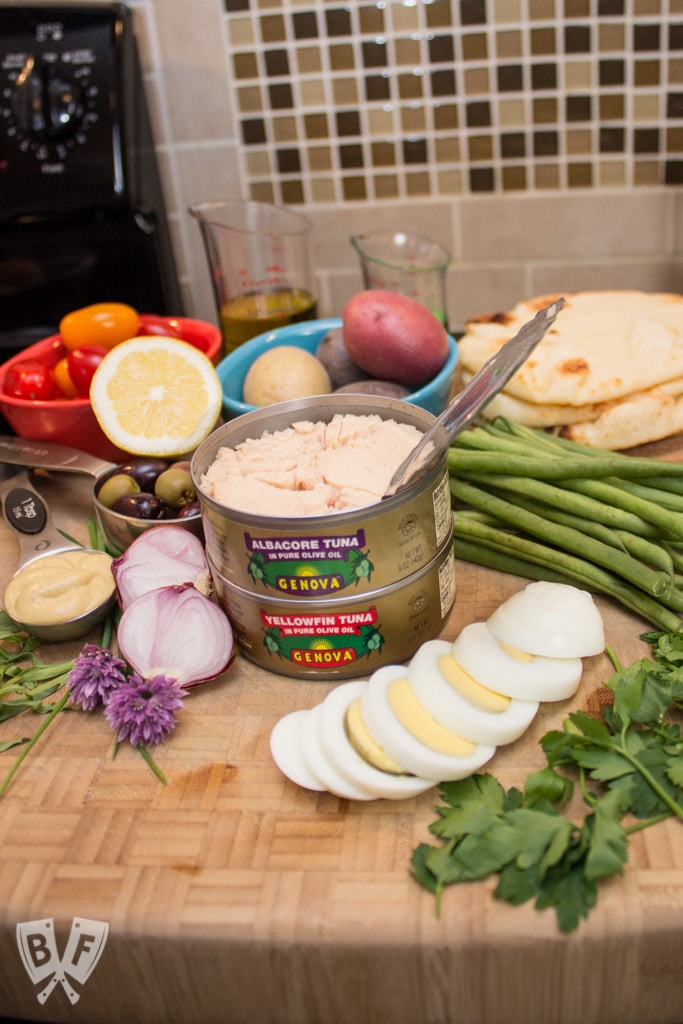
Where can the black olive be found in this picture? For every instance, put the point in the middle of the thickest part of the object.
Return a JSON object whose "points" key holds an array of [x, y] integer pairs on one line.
{"points": [[191, 509], [144, 471], [140, 506]]}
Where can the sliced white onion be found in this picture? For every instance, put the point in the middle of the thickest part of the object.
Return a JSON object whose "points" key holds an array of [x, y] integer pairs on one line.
{"points": [[177, 632], [163, 557]]}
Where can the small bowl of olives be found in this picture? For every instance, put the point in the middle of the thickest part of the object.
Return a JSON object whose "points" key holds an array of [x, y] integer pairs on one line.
{"points": [[141, 493]]}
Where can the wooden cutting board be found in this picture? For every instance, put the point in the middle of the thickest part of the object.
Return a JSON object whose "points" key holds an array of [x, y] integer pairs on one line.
{"points": [[231, 895]]}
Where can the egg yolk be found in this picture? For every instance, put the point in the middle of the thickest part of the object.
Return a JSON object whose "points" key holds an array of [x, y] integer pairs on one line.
{"points": [[363, 743], [515, 653], [469, 689], [420, 724]]}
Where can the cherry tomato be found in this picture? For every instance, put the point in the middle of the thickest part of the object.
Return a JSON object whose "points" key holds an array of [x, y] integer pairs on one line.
{"points": [[163, 326], [103, 323], [30, 378], [62, 379], [83, 362]]}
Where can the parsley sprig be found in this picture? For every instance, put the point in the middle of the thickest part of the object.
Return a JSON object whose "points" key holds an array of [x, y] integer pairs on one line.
{"points": [[628, 762]]}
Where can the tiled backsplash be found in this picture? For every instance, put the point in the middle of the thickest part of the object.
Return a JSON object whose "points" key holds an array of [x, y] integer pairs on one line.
{"points": [[375, 101], [539, 141]]}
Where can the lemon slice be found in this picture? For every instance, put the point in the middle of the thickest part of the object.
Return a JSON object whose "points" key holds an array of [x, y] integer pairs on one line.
{"points": [[156, 396]]}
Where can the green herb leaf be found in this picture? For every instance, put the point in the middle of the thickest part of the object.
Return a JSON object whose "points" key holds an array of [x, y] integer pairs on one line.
{"points": [[643, 694], [547, 787], [608, 850], [634, 756]]}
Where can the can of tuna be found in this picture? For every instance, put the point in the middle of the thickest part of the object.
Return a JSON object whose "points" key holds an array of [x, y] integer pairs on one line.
{"points": [[314, 557], [343, 637]]}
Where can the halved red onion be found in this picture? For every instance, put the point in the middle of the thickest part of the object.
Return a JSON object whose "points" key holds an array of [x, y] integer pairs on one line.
{"points": [[176, 631], [163, 557]]}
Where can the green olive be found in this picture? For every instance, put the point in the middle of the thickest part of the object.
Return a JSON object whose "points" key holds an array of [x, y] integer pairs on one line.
{"points": [[114, 487], [175, 487]]}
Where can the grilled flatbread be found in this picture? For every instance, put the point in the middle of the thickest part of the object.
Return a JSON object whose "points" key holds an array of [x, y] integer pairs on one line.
{"points": [[635, 420], [536, 414], [603, 346]]}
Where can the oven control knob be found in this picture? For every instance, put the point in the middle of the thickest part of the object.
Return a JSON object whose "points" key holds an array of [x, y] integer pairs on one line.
{"points": [[47, 105]]}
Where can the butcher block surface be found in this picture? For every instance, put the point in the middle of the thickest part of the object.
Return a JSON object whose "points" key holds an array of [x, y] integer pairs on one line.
{"points": [[233, 896]]}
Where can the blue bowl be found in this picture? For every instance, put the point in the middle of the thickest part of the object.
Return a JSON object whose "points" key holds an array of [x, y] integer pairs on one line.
{"points": [[308, 334]]}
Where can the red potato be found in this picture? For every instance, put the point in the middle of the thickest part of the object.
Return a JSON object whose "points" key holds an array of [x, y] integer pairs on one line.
{"points": [[394, 337]]}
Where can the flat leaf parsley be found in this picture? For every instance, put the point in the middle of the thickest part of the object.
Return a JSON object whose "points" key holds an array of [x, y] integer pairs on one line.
{"points": [[628, 760]]}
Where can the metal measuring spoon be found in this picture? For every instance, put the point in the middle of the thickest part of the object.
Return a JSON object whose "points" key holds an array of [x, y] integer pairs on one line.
{"points": [[468, 402], [26, 512]]}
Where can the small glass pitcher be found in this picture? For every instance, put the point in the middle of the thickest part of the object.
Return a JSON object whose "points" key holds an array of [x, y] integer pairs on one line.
{"points": [[259, 259], [410, 264]]}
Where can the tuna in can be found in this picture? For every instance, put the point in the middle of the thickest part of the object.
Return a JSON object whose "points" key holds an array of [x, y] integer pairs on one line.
{"points": [[344, 637], [356, 551]]}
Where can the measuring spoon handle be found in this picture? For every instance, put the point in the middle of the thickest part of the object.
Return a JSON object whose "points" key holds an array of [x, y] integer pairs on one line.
{"points": [[28, 514], [17, 451]]}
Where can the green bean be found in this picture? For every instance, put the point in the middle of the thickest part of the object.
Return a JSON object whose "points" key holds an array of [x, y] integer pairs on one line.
{"points": [[662, 496], [652, 582], [502, 561], [556, 442], [669, 483], [566, 518], [543, 468], [654, 555], [669, 522], [540, 442], [618, 515], [588, 526], [675, 555], [482, 439], [584, 506], [586, 573]]}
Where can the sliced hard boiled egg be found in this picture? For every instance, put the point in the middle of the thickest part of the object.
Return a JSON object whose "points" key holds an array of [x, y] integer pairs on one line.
{"points": [[321, 765], [408, 733], [286, 746], [364, 744], [348, 762], [460, 703], [551, 619], [513, 672]]}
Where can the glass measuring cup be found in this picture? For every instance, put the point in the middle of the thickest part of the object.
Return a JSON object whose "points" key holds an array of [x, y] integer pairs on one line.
{"points": [[410, 264], [259, 258]]}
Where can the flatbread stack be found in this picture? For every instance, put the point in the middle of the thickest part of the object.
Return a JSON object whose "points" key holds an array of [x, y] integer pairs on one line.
{"points": [[608, 373]]}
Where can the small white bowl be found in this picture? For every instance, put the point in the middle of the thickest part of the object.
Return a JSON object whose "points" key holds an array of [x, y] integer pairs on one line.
{"points": [[308, 334]]}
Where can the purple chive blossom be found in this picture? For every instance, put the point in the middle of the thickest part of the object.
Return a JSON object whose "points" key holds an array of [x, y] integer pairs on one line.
{"points": [[141, 710], [95, 675]]}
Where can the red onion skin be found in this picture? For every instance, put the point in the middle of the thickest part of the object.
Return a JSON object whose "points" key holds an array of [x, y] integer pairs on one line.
{"points": [[176, 631], [164, 556]]}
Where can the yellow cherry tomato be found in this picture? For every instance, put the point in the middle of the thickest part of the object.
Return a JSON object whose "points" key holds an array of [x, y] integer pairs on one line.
{"points": [[103, 323], [62, 378]]}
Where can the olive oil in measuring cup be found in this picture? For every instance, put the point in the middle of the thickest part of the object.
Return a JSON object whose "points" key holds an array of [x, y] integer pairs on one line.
{"points": [[259, 259], [246, 316]]}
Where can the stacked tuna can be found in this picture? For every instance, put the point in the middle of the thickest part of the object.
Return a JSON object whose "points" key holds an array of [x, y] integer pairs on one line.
{"points": [[338, 595]]}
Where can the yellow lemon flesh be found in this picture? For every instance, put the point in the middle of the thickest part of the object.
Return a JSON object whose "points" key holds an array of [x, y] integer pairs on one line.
{"points": [[156, 396]]}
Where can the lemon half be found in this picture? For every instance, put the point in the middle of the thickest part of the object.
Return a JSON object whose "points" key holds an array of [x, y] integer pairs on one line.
{"points": [[156, 396]]}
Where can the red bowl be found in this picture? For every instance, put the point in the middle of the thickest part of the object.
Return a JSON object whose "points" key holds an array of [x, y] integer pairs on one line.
{"points": [[71, 421]]}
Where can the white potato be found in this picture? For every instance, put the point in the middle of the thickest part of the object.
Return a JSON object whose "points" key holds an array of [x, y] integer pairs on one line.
{"points": [[282, 373]]}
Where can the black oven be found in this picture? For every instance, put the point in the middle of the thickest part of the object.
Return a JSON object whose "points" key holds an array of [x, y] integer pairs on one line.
{"points": [[82, 216]]}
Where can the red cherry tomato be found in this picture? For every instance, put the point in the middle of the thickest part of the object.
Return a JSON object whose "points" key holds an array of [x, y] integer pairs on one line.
{"points": [[162, 326], [30, 378], [62, 379], [103, 323], [82, 364]]}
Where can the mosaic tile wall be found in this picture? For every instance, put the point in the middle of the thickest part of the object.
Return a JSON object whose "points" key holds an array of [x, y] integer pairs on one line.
{"points": [[398, 100]]}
